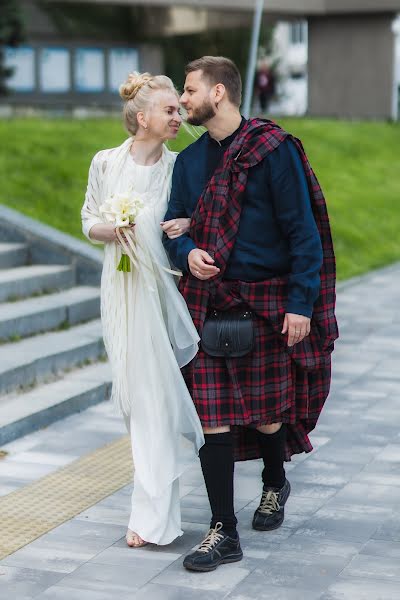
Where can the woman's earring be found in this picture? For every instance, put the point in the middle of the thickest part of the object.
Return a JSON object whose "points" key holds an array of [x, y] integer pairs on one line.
{"points": [[145, 126]]}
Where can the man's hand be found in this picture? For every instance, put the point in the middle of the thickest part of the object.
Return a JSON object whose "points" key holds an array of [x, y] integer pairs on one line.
{"points": [[297, 327], [201, 264], [175, 227]]}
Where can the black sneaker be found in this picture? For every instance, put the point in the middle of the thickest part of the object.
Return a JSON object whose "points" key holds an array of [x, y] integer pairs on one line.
{"points": [[216, 548], [271, 512]]}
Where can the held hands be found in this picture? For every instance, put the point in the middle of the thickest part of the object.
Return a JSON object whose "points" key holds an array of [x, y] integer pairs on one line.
{"points": [[297, 328], [175, 227], [201, 264]]}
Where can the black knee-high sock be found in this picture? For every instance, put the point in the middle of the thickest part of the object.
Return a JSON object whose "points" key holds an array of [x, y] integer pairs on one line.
{"points": [[272, 446], [216, 457]]}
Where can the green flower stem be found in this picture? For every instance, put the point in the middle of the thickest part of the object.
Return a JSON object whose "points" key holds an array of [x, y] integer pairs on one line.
{"points": [[124, 264]]}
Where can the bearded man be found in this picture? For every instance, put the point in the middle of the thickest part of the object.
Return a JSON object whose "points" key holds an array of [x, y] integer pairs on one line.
{"points": [[259, 281]]}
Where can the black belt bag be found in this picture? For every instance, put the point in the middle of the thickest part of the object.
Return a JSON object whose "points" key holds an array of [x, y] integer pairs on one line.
{"points": [[228, 333]]}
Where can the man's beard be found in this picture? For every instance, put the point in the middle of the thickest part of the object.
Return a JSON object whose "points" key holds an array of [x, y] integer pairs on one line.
{"points": [[202, 114]]}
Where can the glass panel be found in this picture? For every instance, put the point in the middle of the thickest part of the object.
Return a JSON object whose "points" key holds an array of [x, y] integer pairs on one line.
{"points": [[54, 73], [89, 70], [22, 60], [121, 62]]}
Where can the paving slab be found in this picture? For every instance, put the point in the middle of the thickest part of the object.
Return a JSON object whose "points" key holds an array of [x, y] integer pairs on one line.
{"points": [[23, 583], [390, 549], [359, 589], [110, 579], [254, 587]]}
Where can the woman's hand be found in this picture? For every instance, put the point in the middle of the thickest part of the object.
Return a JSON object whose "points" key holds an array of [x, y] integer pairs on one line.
{"points": [[103, 232], [175, 227], [122, 231]]}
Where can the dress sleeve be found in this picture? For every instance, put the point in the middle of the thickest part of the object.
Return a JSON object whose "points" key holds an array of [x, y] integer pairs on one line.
{"points": [[293, 210], [90, 213]]}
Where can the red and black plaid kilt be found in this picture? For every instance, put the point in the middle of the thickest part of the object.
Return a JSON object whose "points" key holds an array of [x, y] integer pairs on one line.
{"points": [[273, 383]]}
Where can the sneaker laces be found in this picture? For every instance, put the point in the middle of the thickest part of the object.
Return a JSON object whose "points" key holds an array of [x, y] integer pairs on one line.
{"points": [[269, 502], [211, 539]]}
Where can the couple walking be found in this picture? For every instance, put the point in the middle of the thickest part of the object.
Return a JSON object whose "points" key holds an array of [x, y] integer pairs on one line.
{"points": [[241, 214]]}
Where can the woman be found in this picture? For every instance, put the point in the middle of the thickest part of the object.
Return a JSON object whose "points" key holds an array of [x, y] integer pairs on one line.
{"points": [[147, 330]]}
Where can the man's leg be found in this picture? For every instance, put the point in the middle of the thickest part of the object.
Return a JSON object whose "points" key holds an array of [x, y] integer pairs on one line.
{"points": [[272, 440], [276, 488], [216, 458], [221, 544]]}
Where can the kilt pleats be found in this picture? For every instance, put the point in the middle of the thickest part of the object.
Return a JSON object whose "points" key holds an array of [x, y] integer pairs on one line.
{"points": [[266, 386]]}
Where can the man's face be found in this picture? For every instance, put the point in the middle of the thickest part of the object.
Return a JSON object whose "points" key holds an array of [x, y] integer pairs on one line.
{"points": [[196, 99]]}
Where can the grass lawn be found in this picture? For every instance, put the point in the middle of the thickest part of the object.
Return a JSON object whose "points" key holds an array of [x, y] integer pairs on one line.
{"points": [[44, 165]]}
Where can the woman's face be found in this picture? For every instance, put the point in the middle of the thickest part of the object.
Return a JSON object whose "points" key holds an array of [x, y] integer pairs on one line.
{"points": [[163, 117]]}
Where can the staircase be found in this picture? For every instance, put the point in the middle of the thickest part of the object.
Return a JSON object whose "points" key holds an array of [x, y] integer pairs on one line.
{"points": [[52, 358]]}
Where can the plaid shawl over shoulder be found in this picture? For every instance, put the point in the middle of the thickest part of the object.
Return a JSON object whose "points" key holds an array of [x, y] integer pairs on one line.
{"points": [[214, 228]]}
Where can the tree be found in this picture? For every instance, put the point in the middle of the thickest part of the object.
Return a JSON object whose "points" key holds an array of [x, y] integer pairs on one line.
{"points": [[11, 34], [233, 43]]}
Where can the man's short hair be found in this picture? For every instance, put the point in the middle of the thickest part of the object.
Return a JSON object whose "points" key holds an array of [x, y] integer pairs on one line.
{"points": [[218, 69]]}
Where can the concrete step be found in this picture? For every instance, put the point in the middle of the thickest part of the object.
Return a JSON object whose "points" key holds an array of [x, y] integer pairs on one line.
{"points": [[34, 315], [12, 255], [25, 281], [26, 412], [37, 359]]}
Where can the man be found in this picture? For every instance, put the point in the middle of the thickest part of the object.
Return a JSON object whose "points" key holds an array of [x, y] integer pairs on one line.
{"points": [[264, 85], [257, 240]]}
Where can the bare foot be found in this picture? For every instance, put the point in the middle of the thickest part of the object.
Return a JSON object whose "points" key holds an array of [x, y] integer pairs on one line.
{"points": [[134, 540]]}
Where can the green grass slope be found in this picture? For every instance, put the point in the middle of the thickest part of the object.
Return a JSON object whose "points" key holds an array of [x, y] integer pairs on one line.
{"points": [[44, 165]]}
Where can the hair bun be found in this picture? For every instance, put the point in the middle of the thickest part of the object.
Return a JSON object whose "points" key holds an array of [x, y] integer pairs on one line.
{"points": [[132, 85]]}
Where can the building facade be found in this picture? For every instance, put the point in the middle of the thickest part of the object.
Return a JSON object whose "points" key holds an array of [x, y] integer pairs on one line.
{"points": [[351, 49], [68, 62]]}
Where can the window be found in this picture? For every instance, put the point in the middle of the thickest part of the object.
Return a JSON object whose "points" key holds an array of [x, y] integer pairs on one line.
{"points": [[298, 32], [54, 73], [122, 61], [89, 70], [22, 61]]}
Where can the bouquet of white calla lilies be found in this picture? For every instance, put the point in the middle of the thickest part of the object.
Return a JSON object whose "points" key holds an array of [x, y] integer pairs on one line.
{"points": [[122, 210]]}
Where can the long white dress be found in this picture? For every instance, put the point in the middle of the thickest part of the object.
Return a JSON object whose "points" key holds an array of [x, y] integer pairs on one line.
{"points": [[148, 335]]}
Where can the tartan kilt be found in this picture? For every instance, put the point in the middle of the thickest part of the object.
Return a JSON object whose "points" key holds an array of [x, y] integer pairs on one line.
{"points": [[266, 386]]}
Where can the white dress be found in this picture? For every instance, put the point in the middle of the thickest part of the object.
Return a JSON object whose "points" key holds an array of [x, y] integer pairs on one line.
{"points": [[148, 335]]}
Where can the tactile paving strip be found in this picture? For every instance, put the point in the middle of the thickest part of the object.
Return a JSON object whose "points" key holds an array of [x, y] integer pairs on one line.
{"points": [[28, 513]]}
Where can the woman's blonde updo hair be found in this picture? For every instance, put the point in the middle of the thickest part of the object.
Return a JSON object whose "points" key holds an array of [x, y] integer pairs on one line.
{"points": [[137, 92]]}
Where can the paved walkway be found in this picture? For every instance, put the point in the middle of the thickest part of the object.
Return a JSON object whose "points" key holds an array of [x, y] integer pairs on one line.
{"points": [[341, 535]]}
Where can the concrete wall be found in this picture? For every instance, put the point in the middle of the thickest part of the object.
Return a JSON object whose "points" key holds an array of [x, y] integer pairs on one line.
{"points": [[361, 6], [151, 58], [275, 7], [351, 66]]}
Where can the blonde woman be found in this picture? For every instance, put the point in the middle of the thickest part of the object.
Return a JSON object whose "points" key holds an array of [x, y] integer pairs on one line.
{"points": [[148, 332]]}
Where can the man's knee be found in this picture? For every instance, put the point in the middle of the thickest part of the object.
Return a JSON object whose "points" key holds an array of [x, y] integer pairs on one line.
{"points": [[222, 429], [272, 428]]}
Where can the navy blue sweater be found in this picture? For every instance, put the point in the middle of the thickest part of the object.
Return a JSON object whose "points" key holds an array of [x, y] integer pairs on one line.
{"points": [[277, 233]]}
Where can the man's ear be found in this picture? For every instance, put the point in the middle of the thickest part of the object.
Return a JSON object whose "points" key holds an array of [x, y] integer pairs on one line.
{"points": [[220, 92]]}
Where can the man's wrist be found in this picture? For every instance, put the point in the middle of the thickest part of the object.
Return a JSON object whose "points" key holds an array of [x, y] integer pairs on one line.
{"points": [[299, 308]]}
